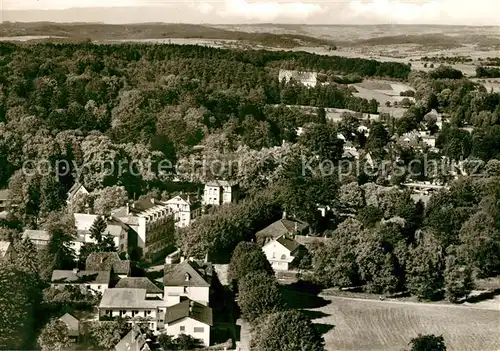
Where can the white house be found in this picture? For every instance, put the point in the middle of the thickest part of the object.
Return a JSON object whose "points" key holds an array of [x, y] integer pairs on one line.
{"points": [[281, 252], [190, 318], [187, 280], [220, 192], [76, 190], [96, 281], [184, 209], [132, 303]]}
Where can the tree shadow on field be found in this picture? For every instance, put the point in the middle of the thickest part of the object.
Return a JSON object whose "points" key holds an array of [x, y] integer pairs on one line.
{"points": [[314, 314], [303, 295], [487, 295], [323, 328]]}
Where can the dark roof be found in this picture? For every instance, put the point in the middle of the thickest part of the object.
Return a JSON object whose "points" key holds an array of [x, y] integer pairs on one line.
{"points": [[72, 323], [288, 242], [189, 309], [80, 277], [145, 204], [283, 226], [139, 283], [105, 261], [187, 273]]}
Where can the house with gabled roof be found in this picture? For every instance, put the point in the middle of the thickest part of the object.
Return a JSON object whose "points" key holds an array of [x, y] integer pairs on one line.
{"points": [[73, 325], [152, 291], [96, 281], [283, 226], [108, 261], [281, 252], [76, 190], [191, 318], [133, 304], [187, 279]]}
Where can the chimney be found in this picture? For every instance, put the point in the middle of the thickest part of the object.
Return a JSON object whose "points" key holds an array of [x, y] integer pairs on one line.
{"points": [[296, 227], [284, 215], [153, 200], [128, 209], [182, 259]]}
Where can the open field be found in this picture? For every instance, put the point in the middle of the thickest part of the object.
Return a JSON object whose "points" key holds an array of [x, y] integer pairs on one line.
{"points": [[386, 325]]}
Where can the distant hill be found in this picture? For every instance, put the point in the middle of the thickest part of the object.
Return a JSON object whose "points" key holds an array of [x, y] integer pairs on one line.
{"points": [[99, 31]]}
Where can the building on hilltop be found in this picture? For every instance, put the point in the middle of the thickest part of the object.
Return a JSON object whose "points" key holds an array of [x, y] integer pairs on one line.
{"points": [[309, 79]]}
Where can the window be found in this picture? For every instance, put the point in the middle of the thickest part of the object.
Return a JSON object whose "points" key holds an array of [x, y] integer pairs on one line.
{"points": [[198, 329], [283, 257], [109, 312], [149, 312], [185, 290], [182, 328], [274, 254], [98, 287]]}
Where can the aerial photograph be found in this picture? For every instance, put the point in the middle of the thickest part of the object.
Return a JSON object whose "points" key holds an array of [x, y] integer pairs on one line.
{"points": [[250, 175]]}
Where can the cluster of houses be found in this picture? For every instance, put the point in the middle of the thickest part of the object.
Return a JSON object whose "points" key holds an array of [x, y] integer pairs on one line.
{"points": [[177, 305], [140, 226]]}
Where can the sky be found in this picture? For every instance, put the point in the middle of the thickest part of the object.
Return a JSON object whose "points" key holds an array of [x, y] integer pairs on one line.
{"points": [[458, 12]]}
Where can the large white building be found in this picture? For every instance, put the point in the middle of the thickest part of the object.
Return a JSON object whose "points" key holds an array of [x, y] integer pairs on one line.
{"points": [[148, 218]]}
